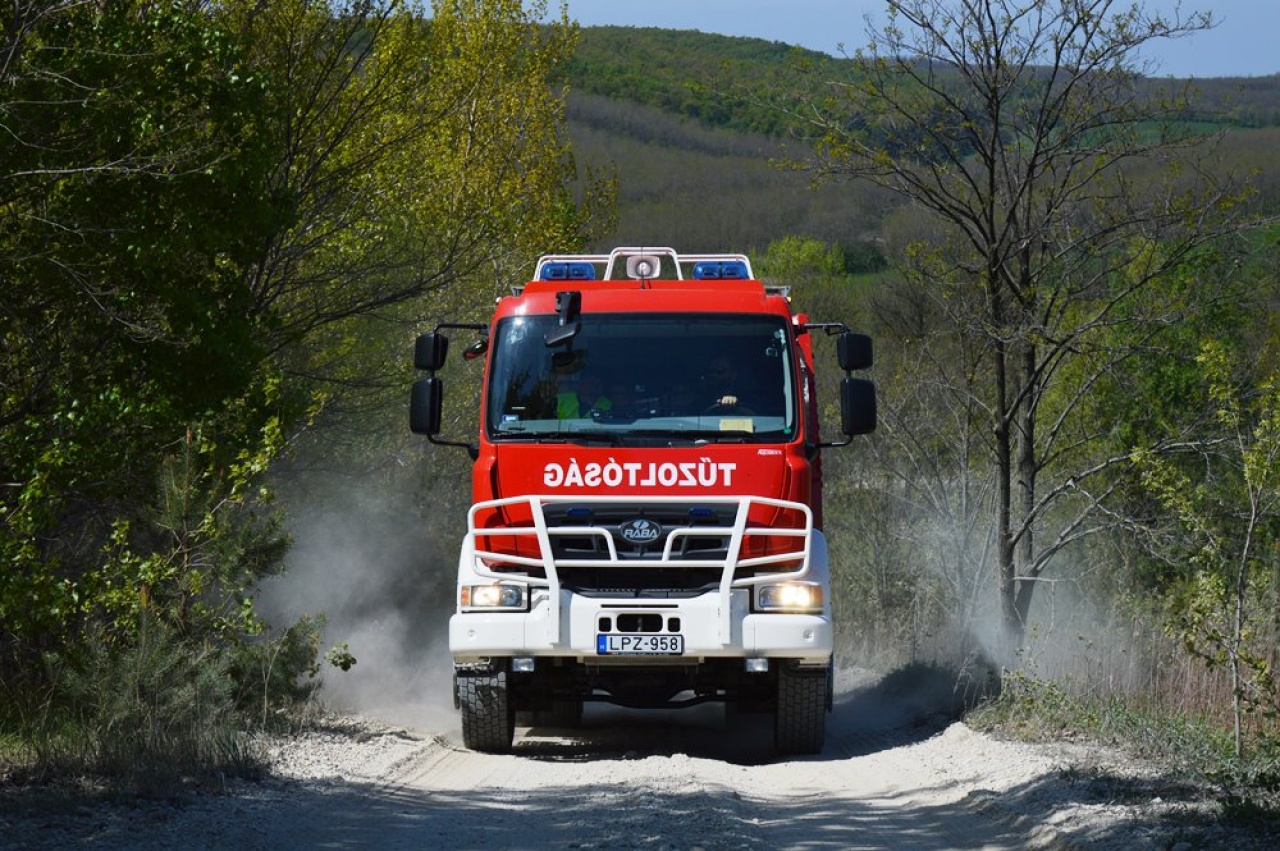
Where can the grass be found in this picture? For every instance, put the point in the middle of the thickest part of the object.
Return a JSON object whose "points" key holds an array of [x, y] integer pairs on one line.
{"points": [[157, 717], [1187, 747], [135, 730]]}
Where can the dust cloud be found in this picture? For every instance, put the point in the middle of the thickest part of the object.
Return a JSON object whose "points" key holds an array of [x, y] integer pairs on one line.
{"points": [[366, 563]]}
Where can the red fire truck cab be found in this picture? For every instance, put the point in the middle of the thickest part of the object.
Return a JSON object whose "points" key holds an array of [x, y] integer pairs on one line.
{"points": [[645, 527]]}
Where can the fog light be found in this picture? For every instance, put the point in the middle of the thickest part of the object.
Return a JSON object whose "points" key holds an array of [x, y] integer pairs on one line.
{"points": [[789, 597], [522, 664], [496, 596], [757, 666]]}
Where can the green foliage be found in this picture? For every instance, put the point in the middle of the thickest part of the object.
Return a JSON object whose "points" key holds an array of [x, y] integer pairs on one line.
{"points": [[405, 143], [492, 79], [153, 716], [791, 258], [162, 658], [137, 419], [1043, 207], [131, 215], [1228, 525], [704, 77], [276, 676], [135, 210], [340, 657], [714, 78], [208, 539], [1145, 388]]}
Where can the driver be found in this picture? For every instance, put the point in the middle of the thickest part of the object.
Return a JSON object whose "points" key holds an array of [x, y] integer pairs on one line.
{"points": [[582, 397], [729, 387]]}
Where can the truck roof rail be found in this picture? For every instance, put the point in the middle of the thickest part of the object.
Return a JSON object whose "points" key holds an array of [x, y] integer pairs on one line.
{"points": [[642, 263]]}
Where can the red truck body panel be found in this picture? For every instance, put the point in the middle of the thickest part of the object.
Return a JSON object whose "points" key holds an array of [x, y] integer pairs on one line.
{"points": [[781, 471]]}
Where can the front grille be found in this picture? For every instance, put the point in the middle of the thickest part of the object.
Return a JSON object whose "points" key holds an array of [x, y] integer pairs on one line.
{"points": [[712, 527], [716, 520], [650, 583]]}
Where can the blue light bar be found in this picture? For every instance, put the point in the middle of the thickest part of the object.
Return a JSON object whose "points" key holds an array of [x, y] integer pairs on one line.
{"points": [[728, 269], [568, 272]]}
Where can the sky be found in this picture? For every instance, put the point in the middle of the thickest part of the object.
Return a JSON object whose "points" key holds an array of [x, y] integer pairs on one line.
{"points": [[1242, 44]]}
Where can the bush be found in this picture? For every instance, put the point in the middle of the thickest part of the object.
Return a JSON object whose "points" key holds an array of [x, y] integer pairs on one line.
{"points": [[153, 717], [164, 664]]}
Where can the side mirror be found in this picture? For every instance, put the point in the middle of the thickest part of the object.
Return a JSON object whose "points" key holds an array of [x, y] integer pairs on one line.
{"points": [[430, 350], [857, 406], [425, 404], [854, 351]]}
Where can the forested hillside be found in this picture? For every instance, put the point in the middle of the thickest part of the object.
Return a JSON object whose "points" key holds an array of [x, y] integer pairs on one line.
{"points": [[697, 128], [718, 80]]}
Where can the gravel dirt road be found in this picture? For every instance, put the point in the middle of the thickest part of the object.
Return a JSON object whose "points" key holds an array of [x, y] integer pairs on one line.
{"points": [[896, 774]]}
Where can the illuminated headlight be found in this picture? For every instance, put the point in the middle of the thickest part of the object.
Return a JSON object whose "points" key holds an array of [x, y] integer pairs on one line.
{"points": [[496, 596], [789, 597]]}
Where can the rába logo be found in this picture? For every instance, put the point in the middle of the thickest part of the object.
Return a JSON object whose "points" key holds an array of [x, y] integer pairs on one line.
{"points": [[640, 531]]}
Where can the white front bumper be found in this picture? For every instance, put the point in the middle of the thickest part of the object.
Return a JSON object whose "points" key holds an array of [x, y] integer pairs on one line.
{"points": [[697, 620]]}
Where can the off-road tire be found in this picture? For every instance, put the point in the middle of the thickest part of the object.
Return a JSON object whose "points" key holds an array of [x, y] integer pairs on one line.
{"points": [[800, 720], [488, 715]]}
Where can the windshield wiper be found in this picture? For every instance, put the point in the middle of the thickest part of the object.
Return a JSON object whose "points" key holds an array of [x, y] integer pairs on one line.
{"points": [[612, 438], [694, 434]]}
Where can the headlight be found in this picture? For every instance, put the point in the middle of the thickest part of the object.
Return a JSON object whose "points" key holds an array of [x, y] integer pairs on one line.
{"points": [[497, 596], [791, 597]]}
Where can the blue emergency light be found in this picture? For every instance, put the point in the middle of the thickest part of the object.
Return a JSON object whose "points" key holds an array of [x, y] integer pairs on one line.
{"points": [[568, 272], [724, 270]]}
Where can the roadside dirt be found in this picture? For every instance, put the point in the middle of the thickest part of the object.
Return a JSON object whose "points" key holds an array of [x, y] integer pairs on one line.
{"points": [[896, 774]]}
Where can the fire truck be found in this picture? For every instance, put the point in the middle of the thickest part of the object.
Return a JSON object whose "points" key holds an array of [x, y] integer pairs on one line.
{"points": [[646, 518]]}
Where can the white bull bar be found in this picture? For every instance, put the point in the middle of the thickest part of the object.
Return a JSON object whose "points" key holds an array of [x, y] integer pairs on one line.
{"points": [[733, 560]]}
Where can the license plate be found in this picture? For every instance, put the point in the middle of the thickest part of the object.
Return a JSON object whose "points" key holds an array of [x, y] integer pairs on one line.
{"points": [[611, 644]]}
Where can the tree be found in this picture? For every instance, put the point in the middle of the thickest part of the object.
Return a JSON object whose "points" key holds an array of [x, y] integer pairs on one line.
{"points": [[132, 199], [133, 140], [420, 154], [1228, 524], [1059, 189]]}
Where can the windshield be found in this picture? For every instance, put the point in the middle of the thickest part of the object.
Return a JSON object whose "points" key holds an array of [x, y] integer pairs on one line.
{"points": [[626, 378]]}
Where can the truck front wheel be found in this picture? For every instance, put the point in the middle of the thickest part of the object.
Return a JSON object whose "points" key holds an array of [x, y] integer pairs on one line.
{"points": [[800, 720], [488, 715]]}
